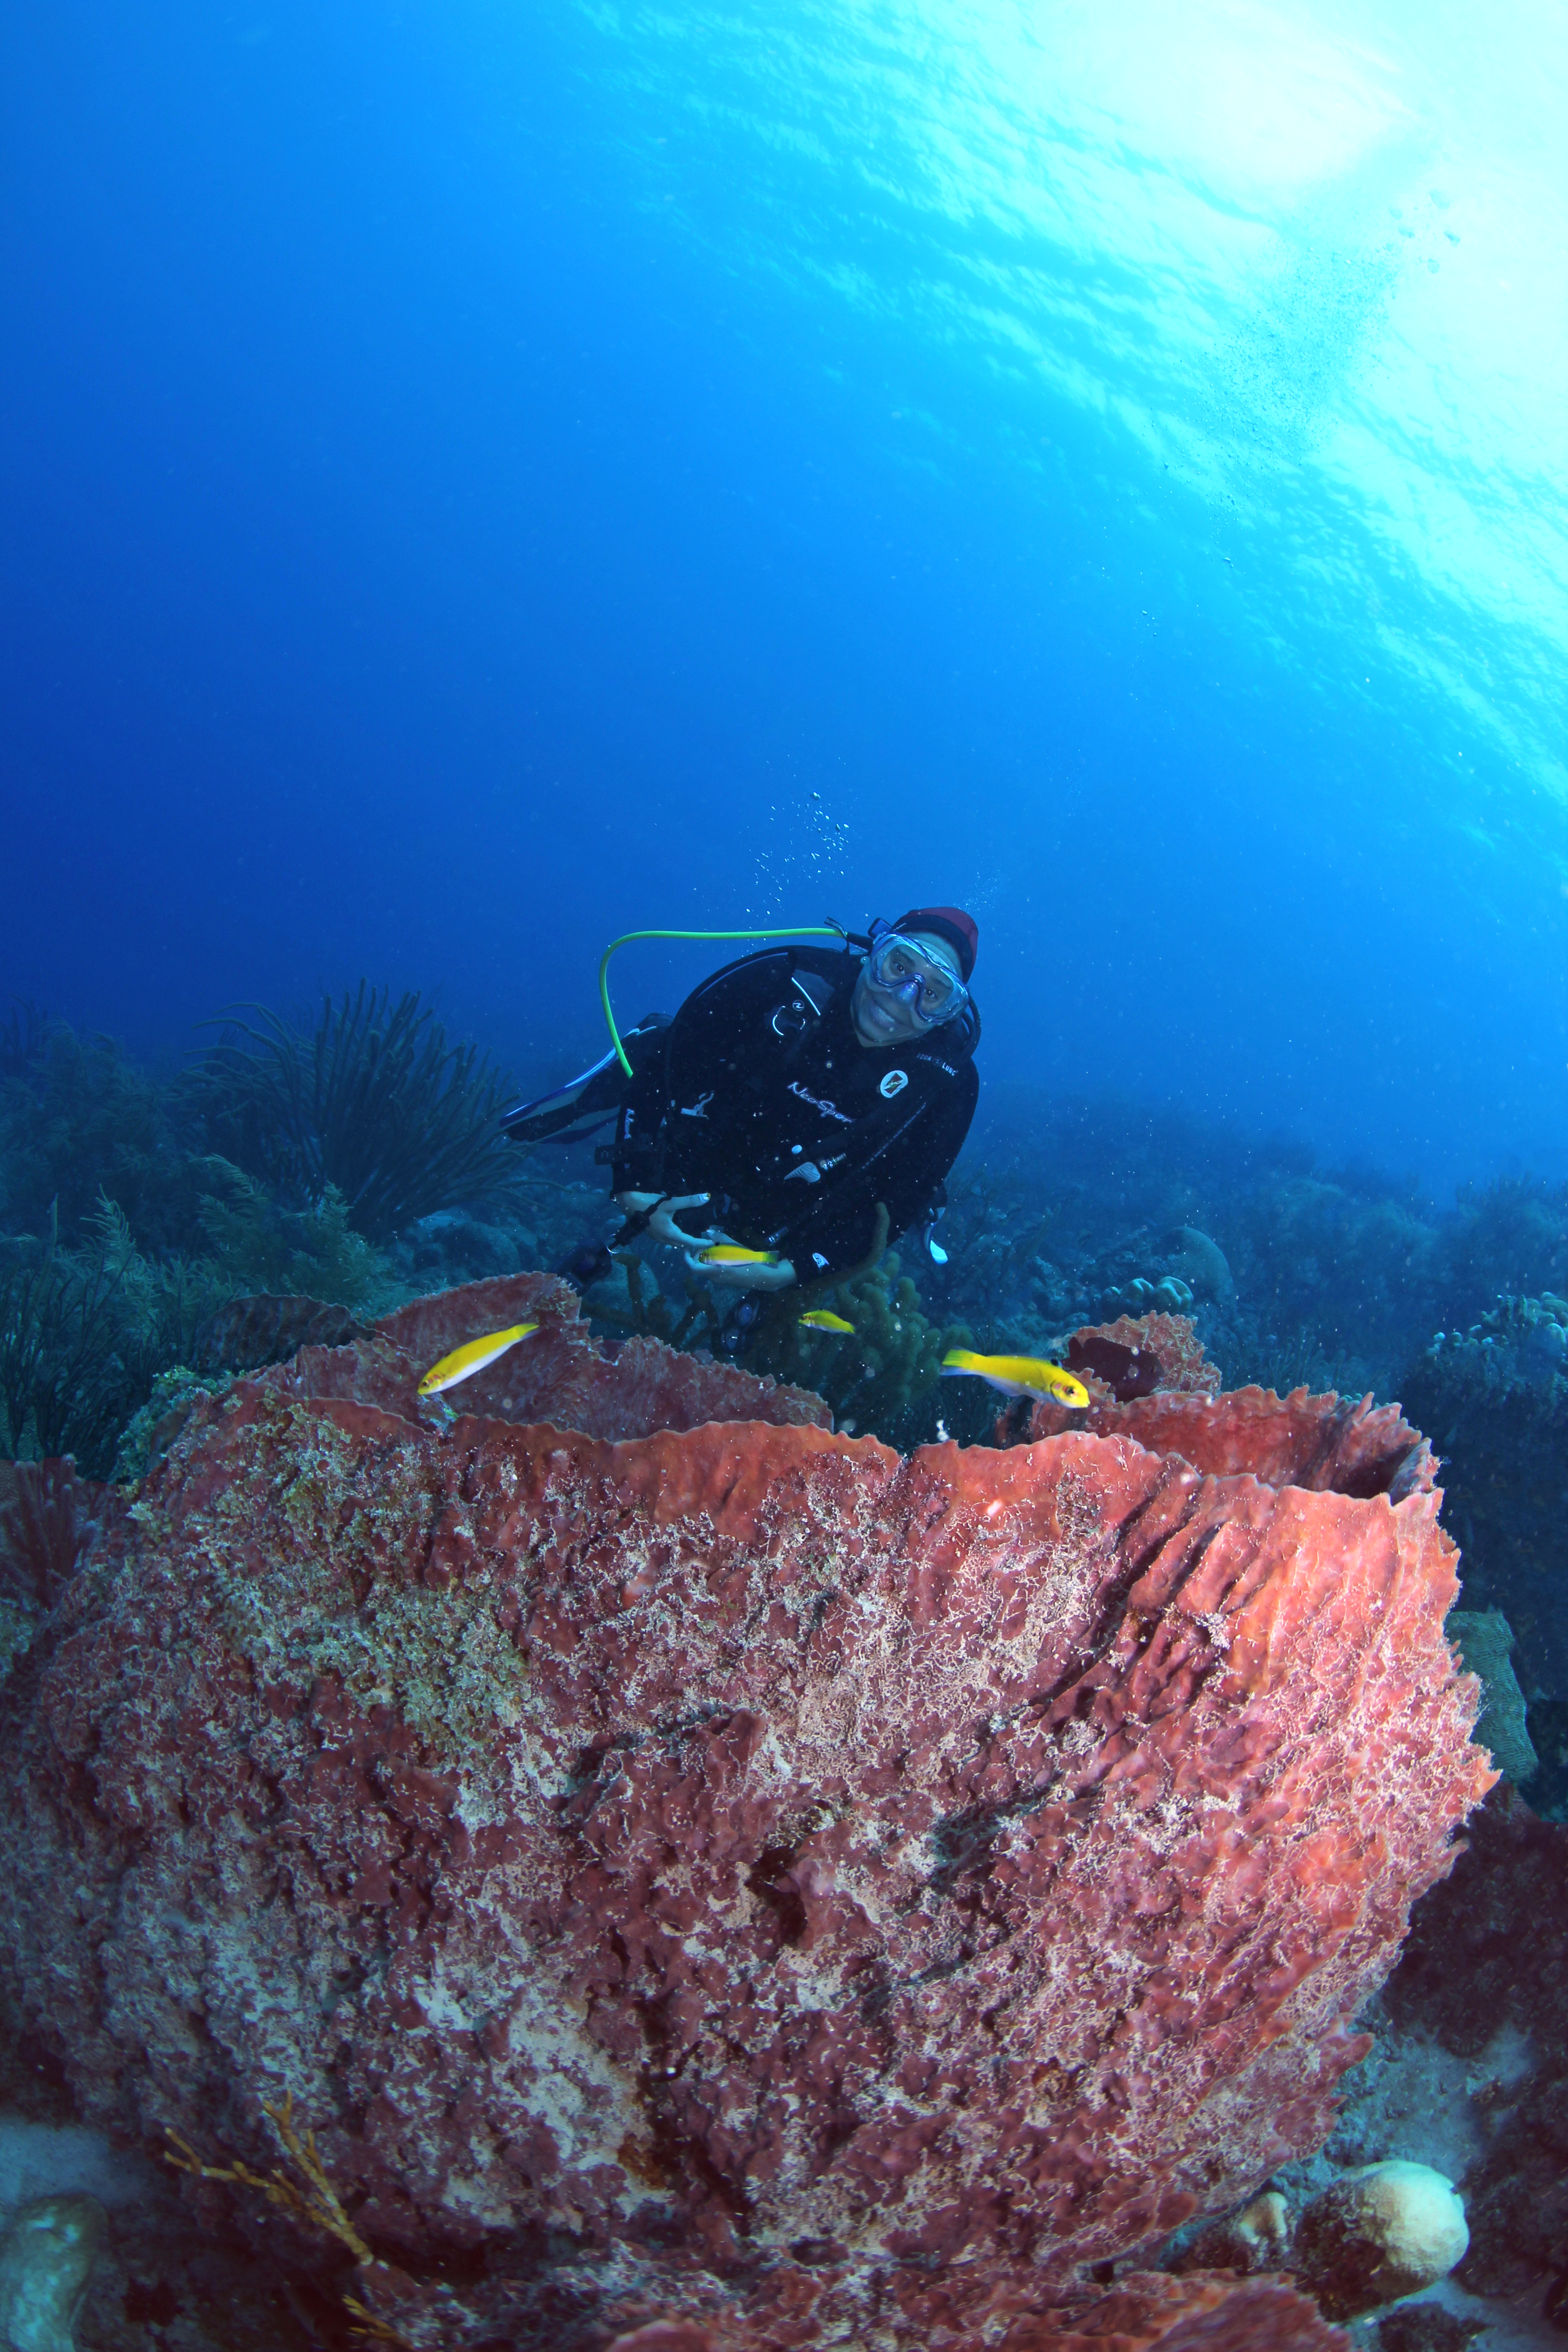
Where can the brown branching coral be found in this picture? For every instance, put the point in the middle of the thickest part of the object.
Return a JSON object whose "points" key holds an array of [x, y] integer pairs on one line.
{"points": [[373, 2329], [311, 2200], [316, 2203]]}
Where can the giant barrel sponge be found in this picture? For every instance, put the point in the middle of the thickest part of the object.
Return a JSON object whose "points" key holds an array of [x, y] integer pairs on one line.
{"points": [[718, 1884]]}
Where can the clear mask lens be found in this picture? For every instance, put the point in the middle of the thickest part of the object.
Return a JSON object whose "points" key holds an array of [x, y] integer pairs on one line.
{"points": [[929, 989]]}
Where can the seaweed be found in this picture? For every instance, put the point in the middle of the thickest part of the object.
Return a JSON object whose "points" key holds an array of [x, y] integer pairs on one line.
{"points": [[262, 1246], [65, 1387], [84, 1333], [879, 1378], [373, 1103]]}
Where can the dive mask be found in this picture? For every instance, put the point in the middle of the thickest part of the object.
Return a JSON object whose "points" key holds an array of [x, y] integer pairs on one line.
{"points": [[902, 968]]}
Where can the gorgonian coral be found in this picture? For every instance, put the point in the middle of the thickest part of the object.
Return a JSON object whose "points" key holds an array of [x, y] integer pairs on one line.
{"points": [[373, 1102]]}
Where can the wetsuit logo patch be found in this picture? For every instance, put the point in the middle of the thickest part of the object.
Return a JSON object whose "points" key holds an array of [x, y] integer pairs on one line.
{"points": [[818, 1102], [894, 1083]]}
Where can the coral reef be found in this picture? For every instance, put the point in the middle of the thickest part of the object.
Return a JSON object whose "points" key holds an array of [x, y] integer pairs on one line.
{"points": [[993, 1230], [153, 1427], [1145, 2310], [1467, 2074], [157, 2279], [1138, 1355], [1257, 2237], [1157, 1394], [1298, 1277], [878, 1378], [1167, 1295], [162, 1275], [64, 1385], [48, 1516], [1425, 2327], [88, 1334], [710, 1882], [1319, 1279], [259, 1245], [1196, 1259], [307, 2194], [1341, 1258], [1506, 1239]]}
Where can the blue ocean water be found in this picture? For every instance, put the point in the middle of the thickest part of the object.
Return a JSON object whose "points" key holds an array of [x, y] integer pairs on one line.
{"points": [[478, 480]]}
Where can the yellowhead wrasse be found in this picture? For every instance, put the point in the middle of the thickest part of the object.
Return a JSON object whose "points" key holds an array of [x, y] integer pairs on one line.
{"points": [[1017, 1375], [471, 1358]]}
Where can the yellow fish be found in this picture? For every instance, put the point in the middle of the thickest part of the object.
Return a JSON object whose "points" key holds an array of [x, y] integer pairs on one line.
{"points": [[1017, 1375], [820, 1318], [732, 1253], [471, 1358]]}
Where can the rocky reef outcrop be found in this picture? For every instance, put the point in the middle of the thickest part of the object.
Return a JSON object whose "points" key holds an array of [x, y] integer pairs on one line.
{"points": [[1494, 1399], [711, 1883], [1481, 1993]]}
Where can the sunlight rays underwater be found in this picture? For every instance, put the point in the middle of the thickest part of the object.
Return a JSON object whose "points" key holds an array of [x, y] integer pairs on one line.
{"points": [[1311, 261]]}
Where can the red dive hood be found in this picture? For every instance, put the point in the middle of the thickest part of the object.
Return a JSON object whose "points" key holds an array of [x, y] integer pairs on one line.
{"points": [[961, 931]]}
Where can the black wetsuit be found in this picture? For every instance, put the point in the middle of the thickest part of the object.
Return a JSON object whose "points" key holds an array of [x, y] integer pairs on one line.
{"points": [[760, 1094]]}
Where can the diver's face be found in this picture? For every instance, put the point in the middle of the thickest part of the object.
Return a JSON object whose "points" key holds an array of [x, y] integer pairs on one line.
{"points": [[880, 1019], [883, 1018]]}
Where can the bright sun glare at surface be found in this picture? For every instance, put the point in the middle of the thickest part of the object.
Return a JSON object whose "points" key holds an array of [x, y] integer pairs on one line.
{"points": [[1315, 261]]}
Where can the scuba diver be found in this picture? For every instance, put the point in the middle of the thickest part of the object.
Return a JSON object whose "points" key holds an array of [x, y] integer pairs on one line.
{"points": [[792, 1093]]}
